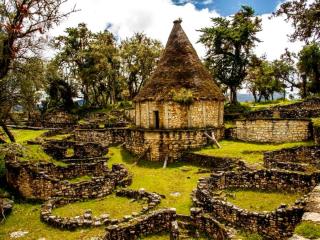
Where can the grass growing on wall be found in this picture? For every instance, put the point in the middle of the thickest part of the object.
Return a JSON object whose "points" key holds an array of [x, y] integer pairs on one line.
{"points": [[259, 201], [23, 135], [252, 153], [308, 230], [117, 207]]}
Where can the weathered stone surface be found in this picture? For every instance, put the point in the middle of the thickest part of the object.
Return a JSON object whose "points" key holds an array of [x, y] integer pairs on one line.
{"points": [[294, 159], [273, 130], [278, 224]]}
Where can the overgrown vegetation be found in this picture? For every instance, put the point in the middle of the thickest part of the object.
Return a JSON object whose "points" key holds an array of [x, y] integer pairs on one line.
{"points": [[183, 96], [258, 200], [308, 230], [251, 153]]}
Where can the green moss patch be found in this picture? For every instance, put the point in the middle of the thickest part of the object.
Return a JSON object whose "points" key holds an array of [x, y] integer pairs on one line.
{"points": [[80, 179], [258, 200], [308, 230]]}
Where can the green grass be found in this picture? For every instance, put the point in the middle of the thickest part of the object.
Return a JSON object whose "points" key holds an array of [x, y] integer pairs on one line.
{"points": [[151, 176], [58, 137], [243, 235], [260, 201], [22, 135], [251, 153], [117, 207], [35, 153], [269, 104], [80, 179], [26, 217], [308, 230]]}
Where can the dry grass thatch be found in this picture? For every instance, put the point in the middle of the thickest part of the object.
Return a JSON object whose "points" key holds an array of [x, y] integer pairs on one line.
{"points": [[179, 67]]}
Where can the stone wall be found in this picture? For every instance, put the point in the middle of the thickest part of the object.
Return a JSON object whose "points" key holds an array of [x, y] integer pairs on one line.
{"points": [[155, 222], [316, 134], [295, 159], [42, 181], [107, 136], [208, 225], [157, 145], [212, 162], [6, 206], [309, 108], [58, 149], [273, 130], [87, 219], [278, 224], [173, 115]]}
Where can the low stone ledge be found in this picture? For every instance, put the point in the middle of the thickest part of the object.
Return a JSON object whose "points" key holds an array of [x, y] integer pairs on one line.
{"points": [[294, 159], [44, 180], [212, 162], [278, 224], [158, 221], [87, 219]]}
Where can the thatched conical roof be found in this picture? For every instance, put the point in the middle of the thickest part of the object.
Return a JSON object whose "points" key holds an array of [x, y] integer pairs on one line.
{"points": [[178, 68]]}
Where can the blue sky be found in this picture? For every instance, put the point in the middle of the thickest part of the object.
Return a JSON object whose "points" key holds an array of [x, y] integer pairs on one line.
{"points": [[228, 7]]}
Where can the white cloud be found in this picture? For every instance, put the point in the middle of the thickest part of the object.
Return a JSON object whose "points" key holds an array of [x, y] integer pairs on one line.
{"points": [[155, 19]]}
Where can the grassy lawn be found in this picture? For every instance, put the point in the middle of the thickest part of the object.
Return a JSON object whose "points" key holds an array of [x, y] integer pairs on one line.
{"points": [[22, 135], [117, 207], [259, 201], [308, 230], [176, 178], [251, 153], [269, 104]]}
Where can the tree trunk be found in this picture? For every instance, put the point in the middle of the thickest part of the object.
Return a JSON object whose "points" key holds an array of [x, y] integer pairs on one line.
{"points": [[7, 131], [304, 86], [233, 95]]}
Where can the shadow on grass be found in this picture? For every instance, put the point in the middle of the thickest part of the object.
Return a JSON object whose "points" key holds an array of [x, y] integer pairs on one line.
{"points": [[132, 160]]}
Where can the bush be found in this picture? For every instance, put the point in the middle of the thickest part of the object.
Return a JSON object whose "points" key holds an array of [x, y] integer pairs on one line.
{"points": [[183, 96]]}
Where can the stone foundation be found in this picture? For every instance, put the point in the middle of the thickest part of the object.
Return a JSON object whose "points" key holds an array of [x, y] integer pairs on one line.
{"points": [[273, 130], [58, 149], [294, 159], [159, 221], [45, 180], [154, 145], [87, 220], [278, 224]]}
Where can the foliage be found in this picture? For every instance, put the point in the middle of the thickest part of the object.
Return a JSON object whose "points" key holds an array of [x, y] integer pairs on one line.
{"points": [[229, 43], [251, 153], [183, 96], [139, 55], [260, 201], [265, 78], [21, 25], [308, 230], [304, 17], [309, 65]]}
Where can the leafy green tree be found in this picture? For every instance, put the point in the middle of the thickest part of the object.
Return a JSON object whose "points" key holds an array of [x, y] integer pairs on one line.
{"points": [[304, 17], [309, 65], [229, 44], [22, 24], [139, 55], [263, 79], [92, 63]]}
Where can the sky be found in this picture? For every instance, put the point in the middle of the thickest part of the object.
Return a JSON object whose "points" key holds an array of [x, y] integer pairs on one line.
{"points": [[155, 18]]}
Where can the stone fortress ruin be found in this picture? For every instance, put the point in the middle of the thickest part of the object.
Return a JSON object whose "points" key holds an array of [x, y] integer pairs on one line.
{"points": [[180, 109]]}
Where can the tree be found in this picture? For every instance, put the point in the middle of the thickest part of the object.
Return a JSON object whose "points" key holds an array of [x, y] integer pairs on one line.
{"points": [[92, 62], [263, 79], [21, 24], [139, 55], [309, 65], [305, 18], [229, 43]]}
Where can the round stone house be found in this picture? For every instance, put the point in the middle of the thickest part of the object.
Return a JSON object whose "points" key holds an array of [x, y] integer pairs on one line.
{"points": [[181, 93]]}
